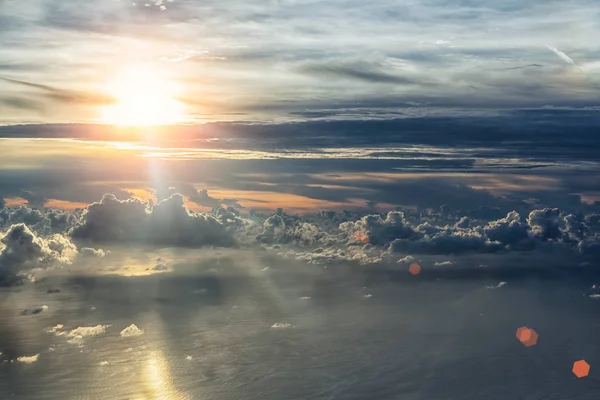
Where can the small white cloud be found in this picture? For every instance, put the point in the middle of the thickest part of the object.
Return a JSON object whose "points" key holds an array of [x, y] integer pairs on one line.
{"points": [[281, 325], [305, 298], [57, 330], [594, 296], [88, 331], [103, 363], [189, 358], [28, 359], [561, 54], [77, 336], [131, 331], [498, 286], [129, 350], [407, 259], [441, 264], [368, 296]]}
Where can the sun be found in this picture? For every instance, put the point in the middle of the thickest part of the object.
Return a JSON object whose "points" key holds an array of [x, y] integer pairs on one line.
{"points": [[144, 97]]}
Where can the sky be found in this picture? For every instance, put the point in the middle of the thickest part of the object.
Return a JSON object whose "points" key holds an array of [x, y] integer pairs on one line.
{"points": [[208, 199], [297, 59]]}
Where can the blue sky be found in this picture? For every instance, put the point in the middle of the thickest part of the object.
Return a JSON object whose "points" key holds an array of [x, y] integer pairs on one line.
{"points": [[281, 60]]}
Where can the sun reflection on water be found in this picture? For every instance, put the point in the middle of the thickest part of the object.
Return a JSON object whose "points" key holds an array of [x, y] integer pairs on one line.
{"points": [[157, 382]]}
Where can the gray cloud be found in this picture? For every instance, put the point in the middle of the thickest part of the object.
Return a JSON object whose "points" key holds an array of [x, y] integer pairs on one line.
{"points": [[167, 223], [326, 237], [64, 95], [200, 197], [24, 250], [358, 70]]}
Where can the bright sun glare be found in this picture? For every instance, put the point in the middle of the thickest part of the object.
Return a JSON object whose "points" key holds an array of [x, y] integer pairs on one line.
{"points": [[144, 96]]}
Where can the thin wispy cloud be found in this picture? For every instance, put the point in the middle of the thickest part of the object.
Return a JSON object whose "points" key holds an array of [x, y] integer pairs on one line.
{"points": [[64, 95], [562, 55]]}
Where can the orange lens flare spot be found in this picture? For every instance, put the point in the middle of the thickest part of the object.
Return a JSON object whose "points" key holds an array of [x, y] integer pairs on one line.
{"points": [[414, 269], [527, 336], [581, 369]]}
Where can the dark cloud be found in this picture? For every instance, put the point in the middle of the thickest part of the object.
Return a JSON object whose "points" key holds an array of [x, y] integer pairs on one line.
{"points": [[524, 155], [200, 197], [167, 223], [33, 199]]}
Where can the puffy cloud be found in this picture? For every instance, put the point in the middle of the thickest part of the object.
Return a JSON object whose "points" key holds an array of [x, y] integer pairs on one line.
{"points": [[545, 224], [573, 228], [446, 242], [360, 254], [379, 230], [22, 214], [89, 252], [509, 230], [132, 331], [88, 331], [200, 197], [24, 250], [28, 359], [593, 220], [168, 223], [59, 221], [321, 238], [282, 229], [406, 260]]}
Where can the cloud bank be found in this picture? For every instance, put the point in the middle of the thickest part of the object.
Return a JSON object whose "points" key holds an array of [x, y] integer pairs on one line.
{"points": [[323, 238]]}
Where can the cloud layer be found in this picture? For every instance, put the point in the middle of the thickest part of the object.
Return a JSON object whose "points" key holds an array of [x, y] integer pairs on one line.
{"points": [[322, 238]]}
